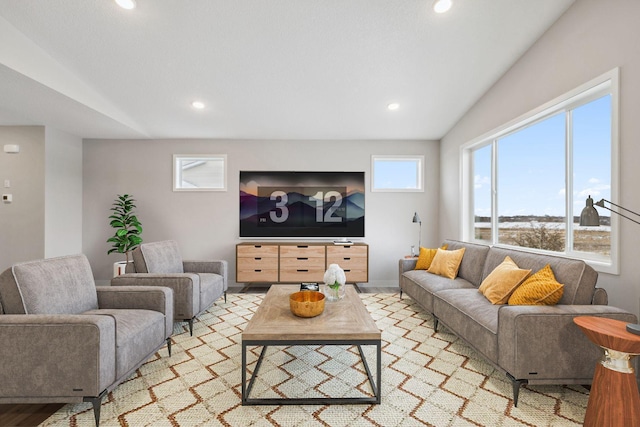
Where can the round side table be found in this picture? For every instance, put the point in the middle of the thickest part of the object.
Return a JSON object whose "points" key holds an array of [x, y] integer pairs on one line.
{"points": [[614, 399]]}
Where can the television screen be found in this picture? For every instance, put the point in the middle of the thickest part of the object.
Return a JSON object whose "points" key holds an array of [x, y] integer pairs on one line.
{"points": [[301, 204]]}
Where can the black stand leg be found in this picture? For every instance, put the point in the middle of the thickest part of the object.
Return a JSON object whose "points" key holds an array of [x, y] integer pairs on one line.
{"points": [[97, 403], [435, 324], [169, 345], [515, 385], [190, 325], [225, 296]]}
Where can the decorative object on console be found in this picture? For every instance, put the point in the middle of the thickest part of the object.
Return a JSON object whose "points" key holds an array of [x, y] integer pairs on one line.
{"points": [[307, 303], [127, 226], [416, 218], [334, 279], [309, 286], [590, 218]]}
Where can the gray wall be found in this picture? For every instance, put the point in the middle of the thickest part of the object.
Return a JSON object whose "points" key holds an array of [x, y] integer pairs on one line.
{"points": [[63, 194], [45, 218], [205, 224], [22, 222], [591, 38]]}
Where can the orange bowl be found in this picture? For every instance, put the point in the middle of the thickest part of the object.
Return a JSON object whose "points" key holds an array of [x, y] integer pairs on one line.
{"points": [[306, 303]]}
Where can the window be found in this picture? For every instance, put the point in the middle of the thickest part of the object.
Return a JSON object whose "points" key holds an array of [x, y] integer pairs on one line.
{"points": [[397, 173], [527, 182], [205, 172]]}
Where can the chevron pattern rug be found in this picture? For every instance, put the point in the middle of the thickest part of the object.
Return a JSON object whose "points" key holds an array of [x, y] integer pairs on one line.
{"points": [[428, 379]]}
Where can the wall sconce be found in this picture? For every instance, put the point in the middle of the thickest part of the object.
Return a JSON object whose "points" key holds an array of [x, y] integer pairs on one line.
{"points": [[11, 148], [590, 217], [416, 218]]}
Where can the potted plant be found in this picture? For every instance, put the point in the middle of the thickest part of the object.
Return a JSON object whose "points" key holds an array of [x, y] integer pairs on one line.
{"points": [[127, 229]]}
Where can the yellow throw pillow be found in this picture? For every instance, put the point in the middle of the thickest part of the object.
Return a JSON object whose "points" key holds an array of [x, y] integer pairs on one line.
{"points": [[540, 288], [446, 263], [426, 257], [502, 281]]}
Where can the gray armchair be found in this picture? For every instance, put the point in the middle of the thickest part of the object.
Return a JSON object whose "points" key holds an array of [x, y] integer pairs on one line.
{"points": [[196, 284], [66, 340]]}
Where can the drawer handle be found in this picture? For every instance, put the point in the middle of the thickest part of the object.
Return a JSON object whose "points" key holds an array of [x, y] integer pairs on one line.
{"points": [[302, 271], [302, 259], [257, 246], [257, 258], [347, 259], [257, 271], [303, 246], [346, 271]]}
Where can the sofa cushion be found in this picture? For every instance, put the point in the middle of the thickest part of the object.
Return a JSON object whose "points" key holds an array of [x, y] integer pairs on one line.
{"points": [[138, 333], [421, 285], [541, 288], [62, 285], [471, 316], [158, 257], [426, 257], [579, 279], [472, 265], [502, 281], [447, 263]]}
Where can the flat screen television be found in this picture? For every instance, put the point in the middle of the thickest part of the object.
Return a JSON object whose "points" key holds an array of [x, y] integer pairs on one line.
{"points": [[301, 204]]}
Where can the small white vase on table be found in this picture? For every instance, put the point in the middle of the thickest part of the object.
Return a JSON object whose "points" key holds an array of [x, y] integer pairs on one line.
{"points": [[334, 279]]}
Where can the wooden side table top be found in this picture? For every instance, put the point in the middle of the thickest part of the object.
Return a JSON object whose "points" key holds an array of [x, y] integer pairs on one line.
{"points": [[609, 333]]}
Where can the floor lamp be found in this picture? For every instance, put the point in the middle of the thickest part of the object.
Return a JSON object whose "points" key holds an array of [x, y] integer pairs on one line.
{"points": [[416, 218], [590, 218]]}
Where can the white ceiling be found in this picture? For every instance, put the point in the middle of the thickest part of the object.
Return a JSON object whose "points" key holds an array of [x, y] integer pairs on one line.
{"points": [[267, 69]]}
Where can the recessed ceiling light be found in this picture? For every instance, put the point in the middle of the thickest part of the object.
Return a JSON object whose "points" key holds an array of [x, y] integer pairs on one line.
{"points": [[441, 6], [197, 104], [393, 106], [126, 4]]}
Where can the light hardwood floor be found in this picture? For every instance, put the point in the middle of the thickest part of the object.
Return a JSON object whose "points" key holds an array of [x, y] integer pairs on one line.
{"points": [[34, 414]]}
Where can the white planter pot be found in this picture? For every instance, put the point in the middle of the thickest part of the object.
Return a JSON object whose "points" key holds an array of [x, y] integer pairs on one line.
{"points": [[119, 268]]}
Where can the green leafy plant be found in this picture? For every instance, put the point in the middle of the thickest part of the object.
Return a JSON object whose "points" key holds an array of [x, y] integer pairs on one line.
{"points": [[127, 226]]}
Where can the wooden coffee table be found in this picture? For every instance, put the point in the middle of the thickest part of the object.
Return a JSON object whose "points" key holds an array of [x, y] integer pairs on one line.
{"points": [[344, 322]]}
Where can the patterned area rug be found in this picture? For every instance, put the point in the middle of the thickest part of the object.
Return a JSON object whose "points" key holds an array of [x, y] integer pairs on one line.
{"points": [[428, 378]]}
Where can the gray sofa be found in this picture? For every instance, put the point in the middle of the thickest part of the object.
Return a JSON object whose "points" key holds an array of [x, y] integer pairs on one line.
{"points": [[531, 344], [66, 340], [196, 285]]}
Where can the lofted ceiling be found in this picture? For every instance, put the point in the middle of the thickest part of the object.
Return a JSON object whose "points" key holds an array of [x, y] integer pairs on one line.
{"points": [[265, 69]]}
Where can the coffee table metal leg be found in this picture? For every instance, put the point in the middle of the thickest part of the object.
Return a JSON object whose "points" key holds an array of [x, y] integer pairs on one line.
{"points": [[375, 385], [244, 373]]}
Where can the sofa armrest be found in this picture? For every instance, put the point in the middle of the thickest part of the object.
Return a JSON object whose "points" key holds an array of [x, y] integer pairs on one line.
{"points": [[58, 355], [157, 298], [405, 264], [543, 342], [216, 266], [185, 286]]}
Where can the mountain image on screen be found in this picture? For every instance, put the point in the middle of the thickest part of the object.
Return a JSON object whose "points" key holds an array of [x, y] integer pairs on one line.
{"points": [[302, 204]]}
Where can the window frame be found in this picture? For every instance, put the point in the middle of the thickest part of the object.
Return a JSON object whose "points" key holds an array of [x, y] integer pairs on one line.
{"points": [[606, 84], [204, 157], [419, 164]]}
